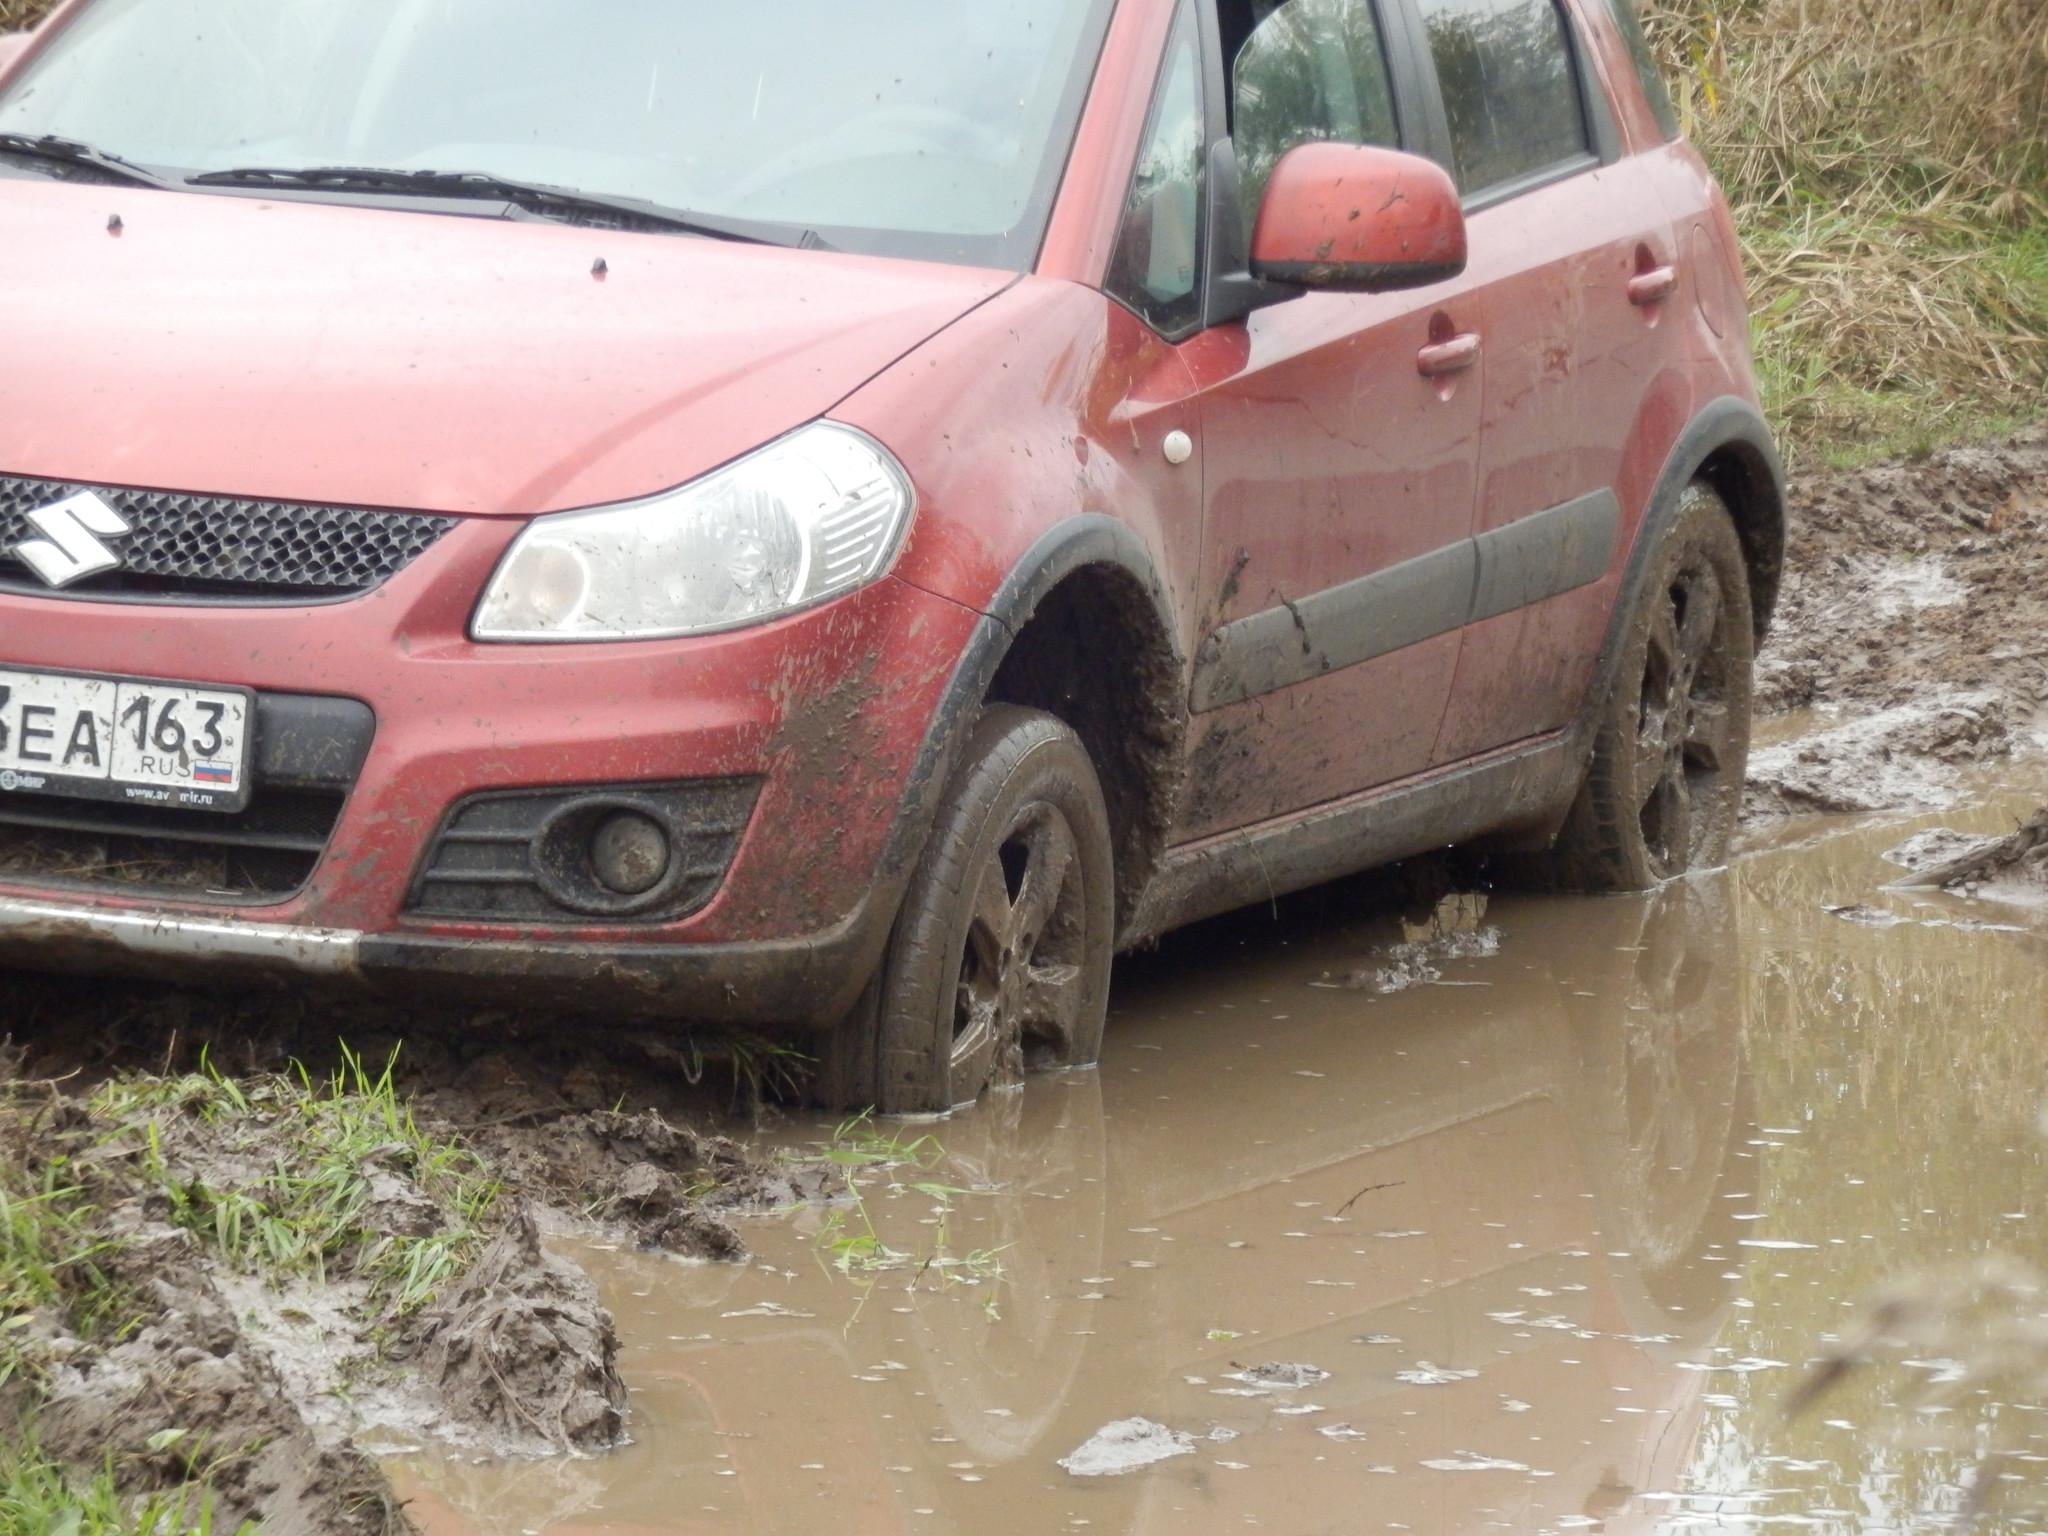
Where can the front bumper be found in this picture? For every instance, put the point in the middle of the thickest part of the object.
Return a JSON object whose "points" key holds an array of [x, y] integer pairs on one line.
{"points": [[830, 710], [55, 931], [789, 981]]}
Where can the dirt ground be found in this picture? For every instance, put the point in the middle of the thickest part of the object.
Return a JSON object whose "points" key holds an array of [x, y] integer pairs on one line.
{"points": [[1913, 627]]}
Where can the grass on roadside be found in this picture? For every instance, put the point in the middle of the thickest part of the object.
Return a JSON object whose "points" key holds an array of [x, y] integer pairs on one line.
{"points": [[1887, 163]]}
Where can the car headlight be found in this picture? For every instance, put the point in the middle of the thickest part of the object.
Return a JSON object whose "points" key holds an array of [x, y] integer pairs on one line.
{"points": [[810, 516]]}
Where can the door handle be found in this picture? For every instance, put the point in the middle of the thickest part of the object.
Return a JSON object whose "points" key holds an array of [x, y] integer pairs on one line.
{"points": [[1454, 355], [1652, 287]]}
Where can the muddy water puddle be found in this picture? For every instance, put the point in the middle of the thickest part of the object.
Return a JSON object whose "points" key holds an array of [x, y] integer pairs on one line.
{"points": [[1562, 1223]]}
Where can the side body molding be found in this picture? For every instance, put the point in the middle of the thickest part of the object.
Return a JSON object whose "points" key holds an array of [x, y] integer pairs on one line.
{"points": [[1536, 557], [1545, 555]]}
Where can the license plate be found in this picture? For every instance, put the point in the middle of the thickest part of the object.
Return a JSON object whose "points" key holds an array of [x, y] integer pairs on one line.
{"points": [[122, 738]]}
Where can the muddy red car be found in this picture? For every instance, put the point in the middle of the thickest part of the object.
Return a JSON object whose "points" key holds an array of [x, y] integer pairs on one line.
{"points": [[840, 521]]}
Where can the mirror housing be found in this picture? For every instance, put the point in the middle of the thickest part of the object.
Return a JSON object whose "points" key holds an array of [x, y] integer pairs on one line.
{"points": [[1358, 219]]}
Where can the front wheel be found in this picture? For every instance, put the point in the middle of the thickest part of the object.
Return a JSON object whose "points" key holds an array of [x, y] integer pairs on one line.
{"points": [[1664, 789], [1000, 957]]}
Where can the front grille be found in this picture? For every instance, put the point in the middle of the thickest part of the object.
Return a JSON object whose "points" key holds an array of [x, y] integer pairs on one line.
{"points": [[524, 855], [223, 548], [307, 752]]}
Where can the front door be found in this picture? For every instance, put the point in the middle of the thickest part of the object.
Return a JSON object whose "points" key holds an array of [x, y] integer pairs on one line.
{"points": [[1339, 439]]}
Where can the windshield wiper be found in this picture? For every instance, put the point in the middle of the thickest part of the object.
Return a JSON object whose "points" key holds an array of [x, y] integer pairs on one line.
{"points": [[48, 147], [535, 197]]}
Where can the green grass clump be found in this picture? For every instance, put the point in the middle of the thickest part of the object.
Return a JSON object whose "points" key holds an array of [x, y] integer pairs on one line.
{"points": [[49, 1264], [40, 1497], [313, 1147]]}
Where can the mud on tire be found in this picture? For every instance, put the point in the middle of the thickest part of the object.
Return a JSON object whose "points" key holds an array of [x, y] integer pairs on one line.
{"points": [[1664, 788], [999, 961]]}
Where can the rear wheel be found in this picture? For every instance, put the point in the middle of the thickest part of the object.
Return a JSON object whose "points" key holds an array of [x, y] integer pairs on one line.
{"points": [[999, 961], [1665, 786]]}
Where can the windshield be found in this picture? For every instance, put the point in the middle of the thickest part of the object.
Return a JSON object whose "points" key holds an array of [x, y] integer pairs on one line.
{"points": [[925, 128]]}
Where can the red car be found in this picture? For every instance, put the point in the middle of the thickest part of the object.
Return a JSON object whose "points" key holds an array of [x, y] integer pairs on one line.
{"points": [[839, 518]]}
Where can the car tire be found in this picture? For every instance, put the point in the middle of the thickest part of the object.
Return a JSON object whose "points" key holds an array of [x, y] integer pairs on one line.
{"points": [[1000, 956], [1664, 789]]}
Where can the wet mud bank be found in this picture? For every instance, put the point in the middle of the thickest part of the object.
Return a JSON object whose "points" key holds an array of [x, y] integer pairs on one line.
{"points": [[232, 1278], [1911, 641]]}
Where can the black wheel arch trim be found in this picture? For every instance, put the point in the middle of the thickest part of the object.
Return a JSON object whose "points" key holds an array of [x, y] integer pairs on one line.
{"points": [[1070, 545], [1729, 445]]}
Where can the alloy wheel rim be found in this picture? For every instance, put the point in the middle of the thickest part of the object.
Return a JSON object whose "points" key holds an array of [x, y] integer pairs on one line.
{"points": [[1685, 735], [1021, 979]]}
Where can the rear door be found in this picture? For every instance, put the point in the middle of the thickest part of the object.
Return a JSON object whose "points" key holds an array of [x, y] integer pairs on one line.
{"points": [[1338, 480], [1584, 382]]}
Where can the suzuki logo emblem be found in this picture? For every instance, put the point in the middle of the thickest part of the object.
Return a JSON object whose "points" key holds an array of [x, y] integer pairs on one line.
{"points": [[70, 549]]}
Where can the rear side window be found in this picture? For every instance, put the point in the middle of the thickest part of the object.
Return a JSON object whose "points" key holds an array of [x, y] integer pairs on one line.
{"points": [[1510, 87], [1311, 70], [1157, 266], [1631, 24]]}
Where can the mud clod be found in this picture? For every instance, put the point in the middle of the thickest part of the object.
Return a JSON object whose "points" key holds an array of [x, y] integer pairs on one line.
{"points": [[2011, 868], [1897, 757], [397, 1207], [1126, 1445], [522, 1348], [1280, 1373], [657, 1207]]}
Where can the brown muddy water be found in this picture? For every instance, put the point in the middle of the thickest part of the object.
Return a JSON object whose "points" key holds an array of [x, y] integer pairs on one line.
{"points": [[1563, 1227]]}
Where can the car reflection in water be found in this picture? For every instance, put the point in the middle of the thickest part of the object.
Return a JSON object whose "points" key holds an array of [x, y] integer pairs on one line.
{"points": [[1493, 1212]]}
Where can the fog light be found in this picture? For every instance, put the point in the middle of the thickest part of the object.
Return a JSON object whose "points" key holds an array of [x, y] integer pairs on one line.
{"points": [[630, 853]]}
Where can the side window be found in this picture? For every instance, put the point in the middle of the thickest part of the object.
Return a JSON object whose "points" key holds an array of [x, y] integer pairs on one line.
{"points": [[1631, 25], [1157, 266], [1310, 70], [1510, 88]]}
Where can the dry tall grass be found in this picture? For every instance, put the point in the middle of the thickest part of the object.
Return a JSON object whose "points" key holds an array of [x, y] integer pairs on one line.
{"points": [[1888, 162]]}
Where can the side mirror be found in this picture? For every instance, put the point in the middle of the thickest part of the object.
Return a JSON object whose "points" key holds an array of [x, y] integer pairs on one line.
{"points": [[1358, 219]]}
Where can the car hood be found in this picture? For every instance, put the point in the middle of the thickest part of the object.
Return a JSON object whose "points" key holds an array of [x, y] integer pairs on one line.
{"points": [[313, 352]]}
